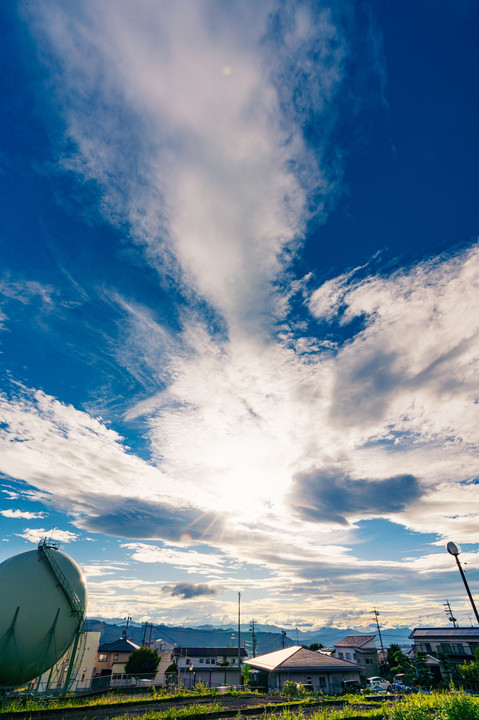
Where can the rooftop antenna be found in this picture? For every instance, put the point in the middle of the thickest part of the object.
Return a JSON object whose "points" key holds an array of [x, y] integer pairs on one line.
{"points": [[450, 616], [455, 549]]}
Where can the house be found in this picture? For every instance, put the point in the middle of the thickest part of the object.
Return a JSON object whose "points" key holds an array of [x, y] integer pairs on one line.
{"points": [[213, 666], [112, 657], [453, 644], [360, 649], [295, 663], [165, 651]]}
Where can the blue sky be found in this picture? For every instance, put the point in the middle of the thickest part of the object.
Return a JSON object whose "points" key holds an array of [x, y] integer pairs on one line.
{"points": [[239, 338]]}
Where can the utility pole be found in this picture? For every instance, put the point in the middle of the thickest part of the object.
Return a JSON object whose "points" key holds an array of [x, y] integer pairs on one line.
{"points": [[145, 626], [375, 613], [450, 616], [149, 637], [253, 635], [283, 635], [239, 638], [125, 631]]}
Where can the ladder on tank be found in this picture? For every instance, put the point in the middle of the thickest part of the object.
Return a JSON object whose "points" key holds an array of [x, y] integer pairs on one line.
{"points": [[46, 548]]}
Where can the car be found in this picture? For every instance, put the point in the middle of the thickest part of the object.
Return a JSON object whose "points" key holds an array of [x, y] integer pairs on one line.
{"points": [[378, 683], [351, 686]]}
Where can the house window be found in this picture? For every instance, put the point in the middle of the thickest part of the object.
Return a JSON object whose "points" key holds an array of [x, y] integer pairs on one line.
{"points": [[213, 661], [341, 655], [446, 648], [457, 649], [102, 657], [115, 656], [368, 661], [202, 660]]}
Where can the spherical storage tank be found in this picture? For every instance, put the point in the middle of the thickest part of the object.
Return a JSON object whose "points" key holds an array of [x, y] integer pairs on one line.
{"points": [[42, 606]]}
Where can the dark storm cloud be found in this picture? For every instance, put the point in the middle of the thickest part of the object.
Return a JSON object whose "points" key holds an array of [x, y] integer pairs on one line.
{"points": [[190, 590], [139, 520], [331, 495]]}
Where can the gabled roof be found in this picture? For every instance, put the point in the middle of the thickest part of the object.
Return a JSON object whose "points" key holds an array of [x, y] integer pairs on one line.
{"points": [[194, 652], [354, 641], [117, 646], [297, 658]]}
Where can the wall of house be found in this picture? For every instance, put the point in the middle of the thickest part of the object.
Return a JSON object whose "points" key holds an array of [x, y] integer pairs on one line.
{"points": [[324, 681], [106, 661], [212, 677], [369, 663], [88, 664]]}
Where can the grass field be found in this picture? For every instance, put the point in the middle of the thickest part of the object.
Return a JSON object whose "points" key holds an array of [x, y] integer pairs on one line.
{"points": [[437, 706]]}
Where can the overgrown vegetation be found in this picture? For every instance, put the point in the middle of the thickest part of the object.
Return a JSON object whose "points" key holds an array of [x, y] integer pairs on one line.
{"points": [[175, 713], [328, 714], [437, 706], [23, 703], [469, 672]]}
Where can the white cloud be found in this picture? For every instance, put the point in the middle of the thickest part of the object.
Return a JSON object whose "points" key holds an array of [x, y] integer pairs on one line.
{"points": [[191, 560], [68, 454], [34, 535], [23, 514]]}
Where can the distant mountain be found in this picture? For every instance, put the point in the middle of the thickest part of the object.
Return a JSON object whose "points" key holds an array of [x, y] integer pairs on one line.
{"points": [[268, 637]]}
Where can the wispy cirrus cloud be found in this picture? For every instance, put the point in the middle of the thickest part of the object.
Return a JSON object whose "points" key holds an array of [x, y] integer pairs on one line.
{"points": [[217, 172]]}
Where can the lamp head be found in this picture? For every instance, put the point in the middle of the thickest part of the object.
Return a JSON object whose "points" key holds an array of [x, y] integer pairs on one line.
{"points": [[453, 548]]}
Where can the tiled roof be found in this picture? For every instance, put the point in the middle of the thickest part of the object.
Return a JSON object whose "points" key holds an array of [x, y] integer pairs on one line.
{"points": [[298, 658], [354, 641], [208, 651], [120, 645]]}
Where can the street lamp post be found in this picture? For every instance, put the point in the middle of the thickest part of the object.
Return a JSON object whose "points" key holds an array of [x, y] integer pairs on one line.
{"points": [[454, 549]]}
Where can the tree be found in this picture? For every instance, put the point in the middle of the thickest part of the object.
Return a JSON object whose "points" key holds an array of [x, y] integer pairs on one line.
{"points": [[143, 661], [391, 651], [469, 671], [399, 662], [422, 668]]}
